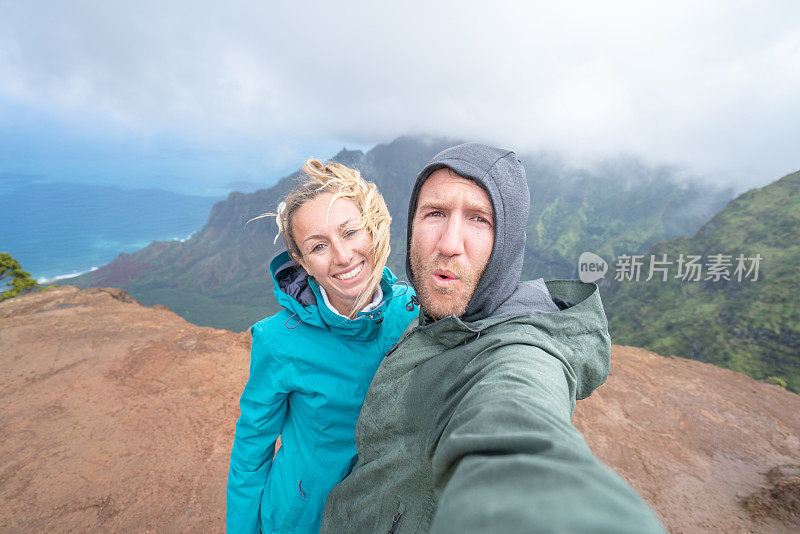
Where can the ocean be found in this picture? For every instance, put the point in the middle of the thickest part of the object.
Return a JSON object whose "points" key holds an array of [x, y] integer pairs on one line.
{"points": [[57, 230]]}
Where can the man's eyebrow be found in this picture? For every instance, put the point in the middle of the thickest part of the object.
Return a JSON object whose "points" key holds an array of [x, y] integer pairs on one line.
{"points": [[481, 208], [470, 206], [431, 204]]}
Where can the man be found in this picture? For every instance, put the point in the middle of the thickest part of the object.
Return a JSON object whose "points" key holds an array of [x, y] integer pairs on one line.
{"points": [[466, 425]]}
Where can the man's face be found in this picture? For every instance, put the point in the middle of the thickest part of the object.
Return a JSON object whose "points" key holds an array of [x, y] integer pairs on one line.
{"points": [[451, 241]]}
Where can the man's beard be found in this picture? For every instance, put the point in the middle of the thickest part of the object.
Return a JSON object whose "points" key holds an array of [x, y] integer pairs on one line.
{"points": [[441, 302]]}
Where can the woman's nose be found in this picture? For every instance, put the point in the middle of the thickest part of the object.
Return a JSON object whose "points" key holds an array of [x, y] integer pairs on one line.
{"points": [[342, 254]]}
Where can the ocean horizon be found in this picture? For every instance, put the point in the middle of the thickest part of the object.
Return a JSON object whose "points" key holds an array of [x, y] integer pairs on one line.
{"points": [[60, 230]]}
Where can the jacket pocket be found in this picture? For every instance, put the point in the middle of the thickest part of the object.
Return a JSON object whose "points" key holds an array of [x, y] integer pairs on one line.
{"points": [[298, 506], [400, 514]]}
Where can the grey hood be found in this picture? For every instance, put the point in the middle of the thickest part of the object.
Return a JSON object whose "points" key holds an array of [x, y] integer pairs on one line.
{"points": [[501, 174]]}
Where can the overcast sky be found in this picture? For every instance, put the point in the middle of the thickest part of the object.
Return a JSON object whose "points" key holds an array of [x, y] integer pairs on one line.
{"points": [[197, 95]]}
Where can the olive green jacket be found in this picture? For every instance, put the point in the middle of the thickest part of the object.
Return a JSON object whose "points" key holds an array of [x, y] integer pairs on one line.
{"points": [[466, 428]]}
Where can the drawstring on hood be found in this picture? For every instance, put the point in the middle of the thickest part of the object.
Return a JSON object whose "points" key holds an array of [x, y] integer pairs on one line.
{"points": [[502, 176]]}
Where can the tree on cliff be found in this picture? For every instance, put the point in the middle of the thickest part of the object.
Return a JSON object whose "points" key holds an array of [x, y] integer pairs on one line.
{"points": [[14, 278]]}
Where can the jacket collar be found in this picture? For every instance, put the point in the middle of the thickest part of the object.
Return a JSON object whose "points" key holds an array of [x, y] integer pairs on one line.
{"points": [[299, 293], [584, 316]]}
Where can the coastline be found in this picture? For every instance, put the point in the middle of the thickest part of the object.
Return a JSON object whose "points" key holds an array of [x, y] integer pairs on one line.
{"points": [[45, 280], [53, 279]]}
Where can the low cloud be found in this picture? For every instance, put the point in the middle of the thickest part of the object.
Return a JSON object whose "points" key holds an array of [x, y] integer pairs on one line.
{"points": [[711, 85]]}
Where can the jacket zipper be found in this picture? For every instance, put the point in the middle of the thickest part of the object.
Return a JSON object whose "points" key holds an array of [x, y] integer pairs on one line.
{"points": [[413, 302], [396, 519], [394, 347]]}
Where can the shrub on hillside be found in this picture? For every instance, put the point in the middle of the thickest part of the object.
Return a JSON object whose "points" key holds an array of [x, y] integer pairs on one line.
{"points": [[16, 281]]}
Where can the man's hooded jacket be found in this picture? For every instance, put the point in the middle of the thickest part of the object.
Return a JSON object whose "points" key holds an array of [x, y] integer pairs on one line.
{"points": [[466, 425]]}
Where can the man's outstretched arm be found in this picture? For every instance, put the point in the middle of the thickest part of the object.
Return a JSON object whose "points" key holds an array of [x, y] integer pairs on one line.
{"points": [[510, 460]]}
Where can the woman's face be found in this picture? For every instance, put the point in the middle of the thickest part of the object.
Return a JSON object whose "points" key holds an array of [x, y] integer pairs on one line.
{"points": [[335, 249]]}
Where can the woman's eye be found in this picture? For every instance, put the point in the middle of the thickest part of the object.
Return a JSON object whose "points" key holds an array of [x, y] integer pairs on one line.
{"points": [[317, 247], [351, 233]]}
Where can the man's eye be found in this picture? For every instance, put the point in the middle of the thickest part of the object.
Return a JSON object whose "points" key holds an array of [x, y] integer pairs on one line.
{"points": [[435, 214], [481, 219]]}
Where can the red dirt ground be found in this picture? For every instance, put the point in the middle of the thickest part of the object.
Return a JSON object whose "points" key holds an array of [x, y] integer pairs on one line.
{"points": [[119, 418]]}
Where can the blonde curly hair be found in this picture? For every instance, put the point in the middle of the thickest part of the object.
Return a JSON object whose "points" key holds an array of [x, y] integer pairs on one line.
{"points": [[342, 182]]}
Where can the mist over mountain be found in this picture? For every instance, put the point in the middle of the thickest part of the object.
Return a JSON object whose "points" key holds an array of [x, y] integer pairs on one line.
{"points": [[740, 309], [621, 206], [219, 276]]}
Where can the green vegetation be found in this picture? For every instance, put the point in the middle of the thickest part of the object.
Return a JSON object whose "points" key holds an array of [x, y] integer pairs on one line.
{"points": [[751, 326], [574, 212], [229, 314], [776, 381], [16, 281]]}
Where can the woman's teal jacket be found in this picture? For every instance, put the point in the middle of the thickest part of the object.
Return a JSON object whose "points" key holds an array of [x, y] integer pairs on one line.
{"points": [[309, 372]]}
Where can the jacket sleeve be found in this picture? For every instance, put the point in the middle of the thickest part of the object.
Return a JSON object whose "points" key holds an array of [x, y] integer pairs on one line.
{"points": [[510, 460], [263, 411]]}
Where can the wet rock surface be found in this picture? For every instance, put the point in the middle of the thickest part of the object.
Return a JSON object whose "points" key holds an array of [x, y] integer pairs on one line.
{"points": [[696, 441]]}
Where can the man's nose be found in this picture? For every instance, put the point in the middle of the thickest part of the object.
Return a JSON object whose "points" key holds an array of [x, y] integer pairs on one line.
{"points": [[342, 254], [451, 241]]}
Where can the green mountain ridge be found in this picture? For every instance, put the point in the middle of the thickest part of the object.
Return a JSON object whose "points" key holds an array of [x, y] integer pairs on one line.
{"points": [[219, 276], [750, 322]]}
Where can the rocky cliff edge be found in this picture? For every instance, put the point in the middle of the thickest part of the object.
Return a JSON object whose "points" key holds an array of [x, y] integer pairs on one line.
{"points": [[120, 417]]}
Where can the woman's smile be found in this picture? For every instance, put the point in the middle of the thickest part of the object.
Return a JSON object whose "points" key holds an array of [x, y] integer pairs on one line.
{"points": [[351, 273]]}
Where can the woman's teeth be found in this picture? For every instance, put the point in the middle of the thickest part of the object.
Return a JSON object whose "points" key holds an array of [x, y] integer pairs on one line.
{"points": [[351, 273]]}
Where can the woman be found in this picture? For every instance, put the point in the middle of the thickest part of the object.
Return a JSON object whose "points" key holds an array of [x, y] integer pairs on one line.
{"points": [[312, 362]]}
